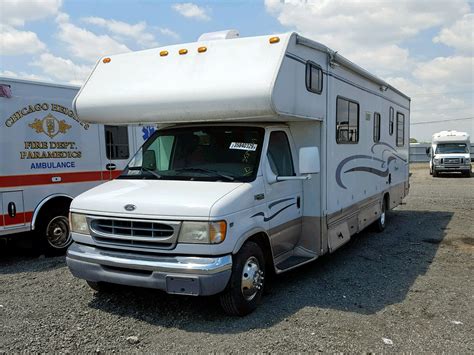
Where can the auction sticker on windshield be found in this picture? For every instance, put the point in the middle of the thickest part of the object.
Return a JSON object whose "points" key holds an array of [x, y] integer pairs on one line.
{"points": [[243, 146]]}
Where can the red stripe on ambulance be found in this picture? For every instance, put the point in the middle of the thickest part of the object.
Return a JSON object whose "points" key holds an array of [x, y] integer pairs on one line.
{"points": [[59, 178]]}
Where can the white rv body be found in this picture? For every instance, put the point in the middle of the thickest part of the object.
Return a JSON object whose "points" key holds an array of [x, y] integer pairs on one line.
{"points": [[47, 156], [285, 86], [450, 152]]}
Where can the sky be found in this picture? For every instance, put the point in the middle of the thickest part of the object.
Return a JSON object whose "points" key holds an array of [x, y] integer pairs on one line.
{"points": [[424, 48]]}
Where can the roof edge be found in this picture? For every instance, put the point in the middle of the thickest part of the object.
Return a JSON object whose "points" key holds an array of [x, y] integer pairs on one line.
{"points": [[336, 57]]}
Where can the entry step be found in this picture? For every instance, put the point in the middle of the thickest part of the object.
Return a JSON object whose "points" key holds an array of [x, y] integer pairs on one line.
{"points": [[292, 262]]}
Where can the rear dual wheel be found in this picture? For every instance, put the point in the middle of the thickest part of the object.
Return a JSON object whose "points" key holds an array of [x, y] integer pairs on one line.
{"points": [[381, 222]]}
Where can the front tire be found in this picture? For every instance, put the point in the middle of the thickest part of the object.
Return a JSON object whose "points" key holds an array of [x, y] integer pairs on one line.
{"points": [[435, 173], [99, 287], [244, 291]]}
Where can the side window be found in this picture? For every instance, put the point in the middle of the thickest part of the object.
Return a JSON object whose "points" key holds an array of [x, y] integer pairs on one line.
{"points": [[116, 142], [314, 78], [400, 129], [347, 121], [391, 118], [279, 154], [376, 127]]}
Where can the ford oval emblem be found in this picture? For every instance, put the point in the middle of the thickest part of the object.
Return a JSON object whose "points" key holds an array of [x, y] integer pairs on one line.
{"points": [[130, 207]]}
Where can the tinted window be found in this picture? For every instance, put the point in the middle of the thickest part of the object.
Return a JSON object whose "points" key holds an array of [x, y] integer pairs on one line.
{"points": [[347, 121], [116, 142], [205, 153], [376, 127], [314, 78], [400, 129], [279, 154]]}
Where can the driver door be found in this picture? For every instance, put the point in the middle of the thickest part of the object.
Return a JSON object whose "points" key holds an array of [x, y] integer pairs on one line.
{"points": [[284, 198]]}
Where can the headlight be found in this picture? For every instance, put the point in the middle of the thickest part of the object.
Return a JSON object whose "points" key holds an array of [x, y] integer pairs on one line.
{"points": [[203, 232], [79, 223], [436, 161]]}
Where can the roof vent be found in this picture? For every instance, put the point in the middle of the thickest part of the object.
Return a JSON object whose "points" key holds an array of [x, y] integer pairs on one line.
{"points": [[212, 36]]}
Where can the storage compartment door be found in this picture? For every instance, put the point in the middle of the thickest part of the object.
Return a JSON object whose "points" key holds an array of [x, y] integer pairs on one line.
{"points": [[13, 209]]}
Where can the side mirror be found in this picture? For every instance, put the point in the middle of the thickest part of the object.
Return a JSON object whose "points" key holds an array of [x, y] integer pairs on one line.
{"points": [[309, 160], [271, 176], [428, 151], [149, 160]]}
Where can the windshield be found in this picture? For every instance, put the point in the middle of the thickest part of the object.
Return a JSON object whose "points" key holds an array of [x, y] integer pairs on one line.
{"points": [[448, 148], [211, 153]]}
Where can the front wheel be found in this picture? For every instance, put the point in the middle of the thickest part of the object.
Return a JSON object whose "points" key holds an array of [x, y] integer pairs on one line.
{"points": [[247, 282], [435, 173]]}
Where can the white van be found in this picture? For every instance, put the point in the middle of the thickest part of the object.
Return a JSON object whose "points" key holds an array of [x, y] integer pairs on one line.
{"points": [[272, 151], [450, 152], [47, 157]]}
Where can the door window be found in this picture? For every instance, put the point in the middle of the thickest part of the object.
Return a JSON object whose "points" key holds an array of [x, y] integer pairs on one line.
{"points": [[116, 142], [279, 154]]}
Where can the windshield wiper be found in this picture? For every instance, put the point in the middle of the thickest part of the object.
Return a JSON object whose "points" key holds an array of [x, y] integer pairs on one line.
{"points": [[141, 168], [209, 172]]}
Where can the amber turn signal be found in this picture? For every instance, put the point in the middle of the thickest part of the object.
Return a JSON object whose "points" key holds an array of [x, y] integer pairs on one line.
{"points": [[106, 60], [202, 49], [183, 51], [274, 40], [163, 53]]}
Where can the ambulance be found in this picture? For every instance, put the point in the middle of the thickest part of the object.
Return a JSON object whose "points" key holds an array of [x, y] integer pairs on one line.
{"points": [[48, 156]]}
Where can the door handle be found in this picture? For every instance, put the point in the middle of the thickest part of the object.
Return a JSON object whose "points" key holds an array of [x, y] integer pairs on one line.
{"points": [[111, 166], [12, 209]]}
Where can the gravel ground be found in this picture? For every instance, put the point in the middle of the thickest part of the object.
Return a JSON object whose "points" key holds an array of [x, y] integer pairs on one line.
{"points": [[407, 289]]}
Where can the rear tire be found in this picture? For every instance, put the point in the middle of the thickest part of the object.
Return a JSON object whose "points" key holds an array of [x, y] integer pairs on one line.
{"points": [[55, 232], [382, 221], [247, 282]]}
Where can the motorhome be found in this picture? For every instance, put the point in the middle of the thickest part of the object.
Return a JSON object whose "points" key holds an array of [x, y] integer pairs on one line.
{"points": [[450, 152], [271, 152], [47, 157]]}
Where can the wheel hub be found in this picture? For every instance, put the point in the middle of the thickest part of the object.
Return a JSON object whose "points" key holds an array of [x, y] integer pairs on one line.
{"points": [[382, 218], [252, 278], [57, 232]]}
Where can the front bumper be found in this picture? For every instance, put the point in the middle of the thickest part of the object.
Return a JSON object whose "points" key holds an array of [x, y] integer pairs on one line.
{"points": [[186, 275], [452, 167]]}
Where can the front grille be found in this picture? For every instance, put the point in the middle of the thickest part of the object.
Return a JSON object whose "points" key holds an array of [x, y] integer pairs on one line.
{"points": [[452, 160], [134, 233], [128, 228]]}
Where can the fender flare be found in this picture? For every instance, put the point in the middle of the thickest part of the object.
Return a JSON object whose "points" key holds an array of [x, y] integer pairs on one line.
{"points": [[244, 237], [42, 203]]}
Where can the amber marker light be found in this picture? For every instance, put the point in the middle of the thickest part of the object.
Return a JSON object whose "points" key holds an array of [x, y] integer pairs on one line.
{"points": [[202, 49], [183, 51], [106, 60], [274, 40], [163, 53]]}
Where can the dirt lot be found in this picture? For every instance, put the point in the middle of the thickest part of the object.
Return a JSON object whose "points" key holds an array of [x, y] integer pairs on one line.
{"points": [[407, 289]]}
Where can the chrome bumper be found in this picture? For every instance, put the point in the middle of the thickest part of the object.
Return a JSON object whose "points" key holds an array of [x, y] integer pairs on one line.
{"points": [[174, 274]]}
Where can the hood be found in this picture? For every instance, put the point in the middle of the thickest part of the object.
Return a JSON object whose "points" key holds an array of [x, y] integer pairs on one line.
{"points": [[154, 197]]}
